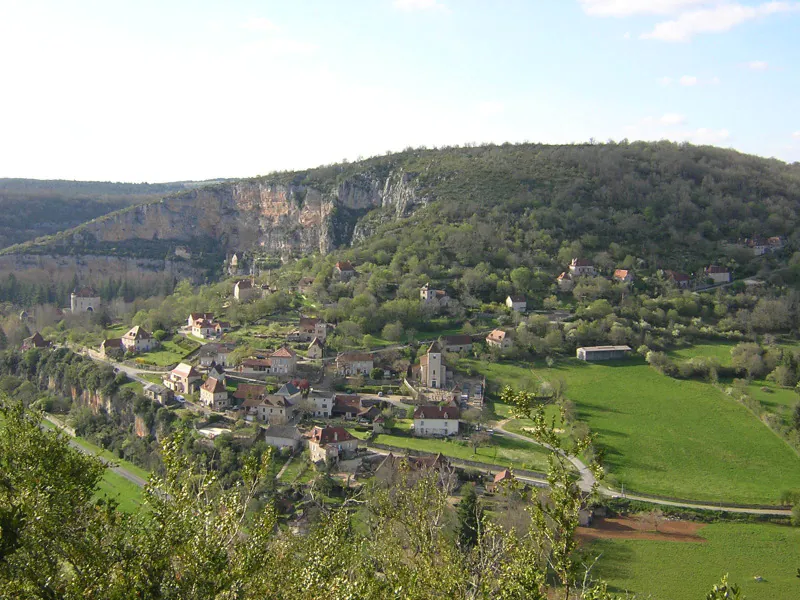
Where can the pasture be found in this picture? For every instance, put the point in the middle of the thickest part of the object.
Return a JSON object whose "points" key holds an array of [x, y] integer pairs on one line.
{"points": [[683, 439], [669, 570]]}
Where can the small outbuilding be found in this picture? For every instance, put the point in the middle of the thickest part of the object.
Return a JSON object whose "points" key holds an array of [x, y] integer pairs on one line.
{"points": [[595, 353]]}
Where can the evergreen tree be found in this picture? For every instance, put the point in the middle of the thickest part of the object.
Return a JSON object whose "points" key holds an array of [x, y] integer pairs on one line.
{"points": [[470, 516]]}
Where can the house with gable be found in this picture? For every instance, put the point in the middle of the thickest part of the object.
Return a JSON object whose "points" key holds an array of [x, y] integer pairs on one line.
{"points": [[436, 421], [159, 393], [354, 363], [331, 443], [183, 379], [111, 345], [344, 270], [623, 275], [245, 290], [35, 341], [499, 339], [218, 353], [274, 409], [580, 267], [430, 295], [517, 303], [214, 395], [198, 316], [457, 343], [138, 340], [717, 274], [283, 361], [681, 280]]}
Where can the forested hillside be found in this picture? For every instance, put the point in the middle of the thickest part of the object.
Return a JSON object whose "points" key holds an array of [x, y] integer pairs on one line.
{"points": [[33, 208]]}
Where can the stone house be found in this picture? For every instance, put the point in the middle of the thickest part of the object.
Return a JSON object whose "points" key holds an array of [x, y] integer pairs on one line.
{"points": [[436, 421], [517, 303], [433, 372], [322, 401], [346, 406], [183, 379], [159, 393], [255, 365], [344, 270], [499, 339], [198, 317], [274, 409], [283, 361], [283, 436], [84, 300], [580, 267], [681, 280], [138, 340], [354, 363], [457, 343], [111, 344], [501, 479], [245, 290], [216, 353], [310, 328], [331, 443], [315, 349], [214, 394], [35, 341], [717, 274]]}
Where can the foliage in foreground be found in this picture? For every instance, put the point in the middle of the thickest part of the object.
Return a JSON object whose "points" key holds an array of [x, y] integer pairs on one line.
{"points": [[199, 541]]}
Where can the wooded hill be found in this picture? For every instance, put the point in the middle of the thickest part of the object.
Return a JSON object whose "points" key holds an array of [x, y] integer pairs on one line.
{"points": [[657, 205], [32, 208]]}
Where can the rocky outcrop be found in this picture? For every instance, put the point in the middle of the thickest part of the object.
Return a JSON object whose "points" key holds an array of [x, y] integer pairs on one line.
{"points": [[280, 218]]}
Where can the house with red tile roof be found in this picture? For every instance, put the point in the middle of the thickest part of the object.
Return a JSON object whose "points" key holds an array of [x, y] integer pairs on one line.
{"points": [[436, 421], [331, 443], [283, 361]]}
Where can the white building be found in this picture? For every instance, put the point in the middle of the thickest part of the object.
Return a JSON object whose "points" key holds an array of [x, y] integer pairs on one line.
{"points": [[718, 274], [436, 421], [580, 267], [354, 363], [84, 300], [517, 303], [283, 361], [214, 394], [499, 339], [432, 368], [138, 340]]}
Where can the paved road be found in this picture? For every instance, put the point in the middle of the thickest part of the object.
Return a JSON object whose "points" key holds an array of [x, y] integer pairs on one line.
{"points": [[132, 477], [588, 481]]}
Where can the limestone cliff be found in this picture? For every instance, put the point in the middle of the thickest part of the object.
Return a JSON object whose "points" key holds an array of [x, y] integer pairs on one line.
{"points": [[285, 218]]}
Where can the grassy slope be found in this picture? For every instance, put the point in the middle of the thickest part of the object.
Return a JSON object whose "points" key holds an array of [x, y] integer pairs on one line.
{"points": [[116, 487], [505, 452], [679, 438], [663, 436], [686, 571]]}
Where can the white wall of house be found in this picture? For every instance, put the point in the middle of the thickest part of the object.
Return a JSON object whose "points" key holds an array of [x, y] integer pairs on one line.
{"points": [[435, 427]]}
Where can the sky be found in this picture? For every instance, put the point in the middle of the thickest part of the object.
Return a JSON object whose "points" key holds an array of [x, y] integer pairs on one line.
{"points": [[169, 90]]}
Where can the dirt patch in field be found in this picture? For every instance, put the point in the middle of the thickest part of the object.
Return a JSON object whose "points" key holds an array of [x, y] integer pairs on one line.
{"points": [[631, 528]]}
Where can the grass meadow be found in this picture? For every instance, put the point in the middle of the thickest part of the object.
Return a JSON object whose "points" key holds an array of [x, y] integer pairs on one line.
{"points": [[503, 451], [667, 570], [684, 439]]}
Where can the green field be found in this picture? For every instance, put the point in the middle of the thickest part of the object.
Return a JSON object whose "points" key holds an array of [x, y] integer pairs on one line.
{"points": [[721, 351], [115, 487], [504, 451], [168, 353], [664, 570], [684, 439]]}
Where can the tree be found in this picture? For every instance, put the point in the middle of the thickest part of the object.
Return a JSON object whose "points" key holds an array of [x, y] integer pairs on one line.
{"points": [[376, 374], [725, 591], [478, 439], [470, 517]]}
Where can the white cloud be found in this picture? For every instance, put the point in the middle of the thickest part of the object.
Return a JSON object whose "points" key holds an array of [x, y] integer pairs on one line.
{"points": [[672, 119], [491, 108], [627, 35], [665, 81], [796, 135], [721, 17], [707, 136], [624, 8], [757, 65], [259, 24], [688, 80], [414, 5]]}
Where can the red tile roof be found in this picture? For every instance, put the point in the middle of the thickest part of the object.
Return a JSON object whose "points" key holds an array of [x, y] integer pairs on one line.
{"points": [[284, 352], [344, 265], [330, 435], [215, 386], [249, 390]]}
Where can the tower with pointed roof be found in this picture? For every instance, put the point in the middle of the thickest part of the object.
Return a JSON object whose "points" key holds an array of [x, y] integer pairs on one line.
{"points": [[433, 371]]}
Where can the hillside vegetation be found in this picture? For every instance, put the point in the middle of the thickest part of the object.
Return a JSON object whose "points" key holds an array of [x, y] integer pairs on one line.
{"points": [[34, 208]]}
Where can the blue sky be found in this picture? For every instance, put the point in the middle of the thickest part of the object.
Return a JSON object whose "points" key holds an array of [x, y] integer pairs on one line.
{"points": [[171, 90]]}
